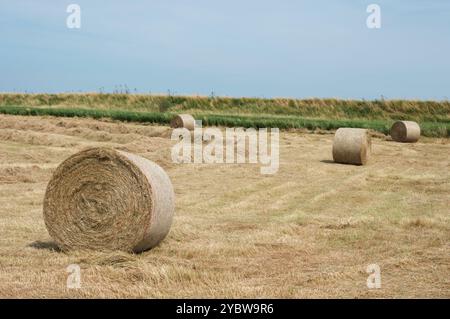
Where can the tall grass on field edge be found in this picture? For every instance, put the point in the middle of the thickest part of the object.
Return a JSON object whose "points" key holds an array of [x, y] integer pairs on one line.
{"points": [[326, 108]]}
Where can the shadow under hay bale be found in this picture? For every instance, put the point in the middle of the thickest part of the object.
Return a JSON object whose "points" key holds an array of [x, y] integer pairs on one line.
{"points": [[328, 162], [47, 245]]}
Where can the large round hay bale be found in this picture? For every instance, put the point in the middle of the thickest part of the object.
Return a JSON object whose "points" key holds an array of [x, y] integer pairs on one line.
{"points": [[405, 131], [183, 120], [105, 199], [352, 146]]}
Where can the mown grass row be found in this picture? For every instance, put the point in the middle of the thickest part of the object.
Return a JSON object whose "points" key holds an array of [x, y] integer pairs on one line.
{"points": [[381, 109], [432, 129]]}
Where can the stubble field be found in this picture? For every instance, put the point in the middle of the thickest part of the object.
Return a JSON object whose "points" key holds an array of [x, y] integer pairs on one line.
{"points": [[308, 231]]}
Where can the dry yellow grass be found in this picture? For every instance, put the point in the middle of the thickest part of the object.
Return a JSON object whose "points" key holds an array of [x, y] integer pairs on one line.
{"points": [[308, 231]]}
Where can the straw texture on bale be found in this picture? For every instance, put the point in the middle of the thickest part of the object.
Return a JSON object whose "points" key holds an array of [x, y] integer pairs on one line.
{"points": [[183, 120], [405, 131], [105, 199], [351, 146]]}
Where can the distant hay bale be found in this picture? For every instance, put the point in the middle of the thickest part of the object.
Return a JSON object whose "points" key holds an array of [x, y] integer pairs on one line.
{"points": [[405, 131], [183, 120], [105, 199], [351, 146]]}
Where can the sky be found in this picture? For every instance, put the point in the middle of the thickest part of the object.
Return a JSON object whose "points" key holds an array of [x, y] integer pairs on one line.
{"points": [[253, 48]]}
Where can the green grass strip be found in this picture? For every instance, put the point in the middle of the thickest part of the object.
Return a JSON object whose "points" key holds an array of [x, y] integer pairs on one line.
{"points": [[431, 129], [118, 115]]}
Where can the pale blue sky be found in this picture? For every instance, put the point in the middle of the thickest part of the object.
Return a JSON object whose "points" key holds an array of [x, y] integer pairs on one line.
{"points": [[262, 48]]}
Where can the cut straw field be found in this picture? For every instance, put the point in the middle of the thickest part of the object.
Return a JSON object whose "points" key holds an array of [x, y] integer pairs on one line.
{"points": [[308, 231]]}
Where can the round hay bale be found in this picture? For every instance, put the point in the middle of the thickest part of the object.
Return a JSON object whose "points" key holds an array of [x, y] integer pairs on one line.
{"points": [[105, 199], [405, 131], [183, 120], [351, 146]]}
